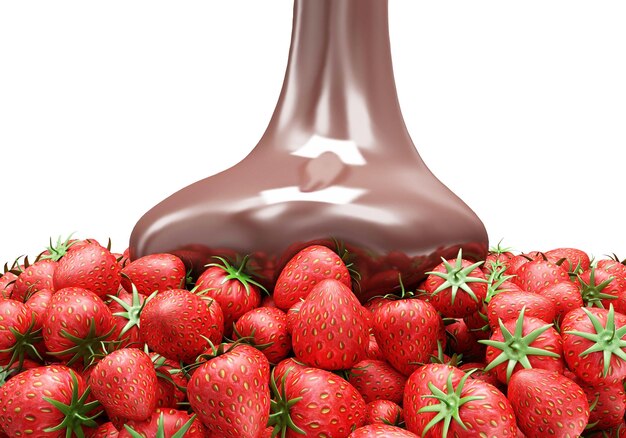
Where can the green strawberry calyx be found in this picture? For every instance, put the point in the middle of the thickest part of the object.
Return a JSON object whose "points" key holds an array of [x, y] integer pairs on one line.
{"points": [[56, 252], [457, 277], [238, 273], [88, 348], [280, 416], [76, 412], [24, 344], [592, 293], [607, 339], [160, 433], [132, 311], [516, 347], [450, 403]]}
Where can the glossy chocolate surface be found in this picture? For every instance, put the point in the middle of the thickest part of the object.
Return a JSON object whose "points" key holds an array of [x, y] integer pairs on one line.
{"points": [[335, 165]]}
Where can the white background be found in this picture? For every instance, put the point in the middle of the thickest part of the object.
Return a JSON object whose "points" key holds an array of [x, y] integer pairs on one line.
{"points": [[108, 107]]}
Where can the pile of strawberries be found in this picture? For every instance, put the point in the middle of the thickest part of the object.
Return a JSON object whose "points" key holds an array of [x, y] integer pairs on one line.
{"points": [[93, 345]]}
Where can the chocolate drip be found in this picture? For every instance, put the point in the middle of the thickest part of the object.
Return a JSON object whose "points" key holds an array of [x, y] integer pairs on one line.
{"points": [[336, 166]]}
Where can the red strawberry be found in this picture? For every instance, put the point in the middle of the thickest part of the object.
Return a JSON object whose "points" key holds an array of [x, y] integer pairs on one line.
{"points": [[171, 382], [572, 259], [456, 287], [478, 372], [594, 342], [235, 290], [7, 283], [175, 322], [564, 295], [267, 327], [377, 380], [126, 309], [407, 332], [463, 341], [516, 262], [508, 305], [537, 274], [498, 257], [440, 401], [76, 324], [373, 350], [51, 401], [289, 364], [165, 423], [607, 404], [381, 431], [124, 382], [154, 272], [38, 303], [548, 404], [526, 342], [383, 412], [292, 315], [307, 268], [331, 332], [230, 392], [89, 266], [34, 278], [18, 333], [106, 430], [602, 289], [313, 401]]}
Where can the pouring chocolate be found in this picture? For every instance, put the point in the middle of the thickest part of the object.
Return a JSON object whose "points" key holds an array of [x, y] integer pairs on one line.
{"points": [[335, 166]]}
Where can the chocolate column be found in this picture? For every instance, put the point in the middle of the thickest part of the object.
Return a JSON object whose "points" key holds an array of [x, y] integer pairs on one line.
{"points": [[336, 165]]}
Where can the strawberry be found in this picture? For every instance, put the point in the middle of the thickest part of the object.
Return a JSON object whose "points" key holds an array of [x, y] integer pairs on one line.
{"points": [[572, 259], [18, 333], [601, 288], [516, 262], [124, 382], [526, 342], [478, 372], [441, 400], [607, 404], [50, 401], [383, 411], [230, 392], [106, 430], [564, 295], [498, 256], [126, 309], [331, 332], [7, 283], [33, 278], [154, 272], [456, 287], [377, 380], [38, 303], [76, 324], [171, 382], [407, 331], [315, 401], [289, 364], [508, 305], [548, 404], [536, 274], [463, 341], [176, 322], [88, 266], [304, 270], [594, 342], [233, 288], [165, 423], [266, 327], [380, 431], [292, 315]]}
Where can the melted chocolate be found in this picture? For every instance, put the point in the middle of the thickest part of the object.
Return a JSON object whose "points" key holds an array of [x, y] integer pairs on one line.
{"points": [[336, 166]]}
